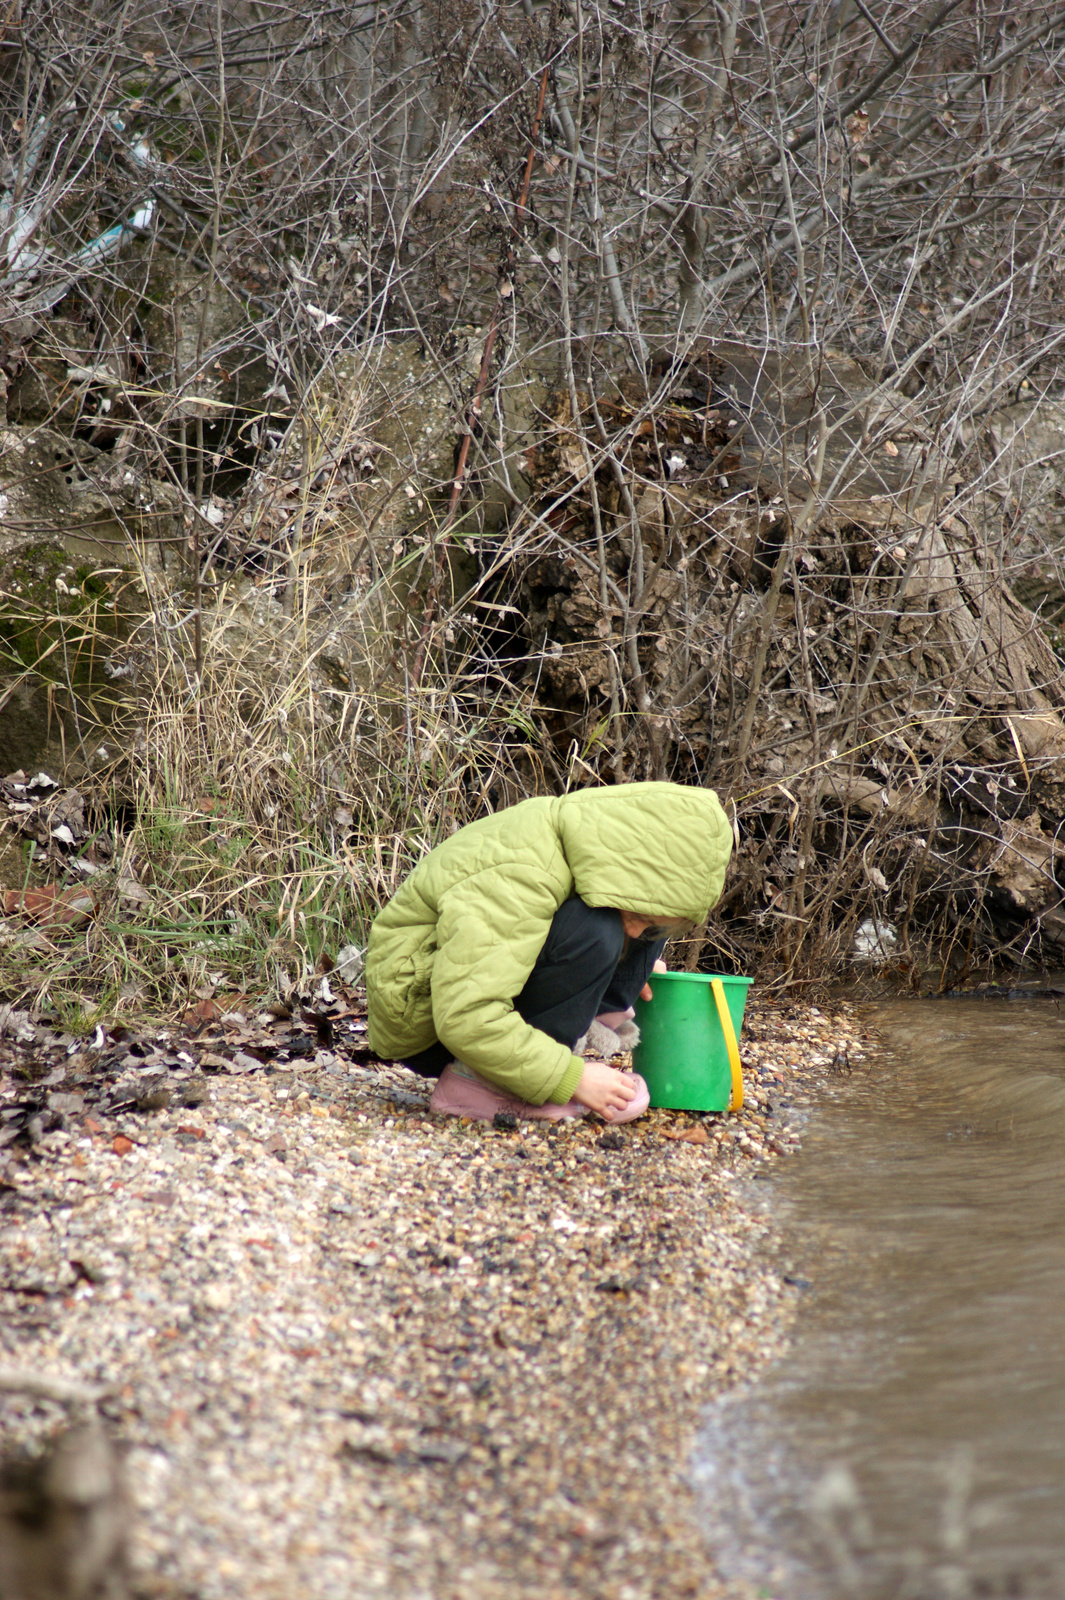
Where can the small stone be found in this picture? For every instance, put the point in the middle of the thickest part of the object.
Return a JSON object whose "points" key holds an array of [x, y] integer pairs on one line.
{"points": [[66, 1102], [154, 1100], [448, 1451], [411, 1294], [89, 1269]]}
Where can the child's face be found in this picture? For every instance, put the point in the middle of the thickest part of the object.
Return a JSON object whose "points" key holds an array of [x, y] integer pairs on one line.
{"points": [[650, 928]]}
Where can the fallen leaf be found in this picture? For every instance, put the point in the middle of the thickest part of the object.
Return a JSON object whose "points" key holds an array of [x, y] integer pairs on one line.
{"points": [[204, 1011], [121, 1145], [350, 962], [321, 1024], [235, 1005], [857, 126], [243, 1062], [572, 460], [696, 1135], [51, 906], [132, 892]]}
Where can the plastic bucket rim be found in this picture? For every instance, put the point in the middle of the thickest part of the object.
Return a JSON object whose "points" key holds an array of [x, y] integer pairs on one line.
{"points": [[699, 977]]}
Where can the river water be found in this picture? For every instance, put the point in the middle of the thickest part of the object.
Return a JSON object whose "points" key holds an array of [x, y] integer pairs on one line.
{"points": [[912, 1444]]}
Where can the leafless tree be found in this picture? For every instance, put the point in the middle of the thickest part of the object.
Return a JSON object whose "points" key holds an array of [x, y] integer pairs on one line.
{"points": [[627, 387]]}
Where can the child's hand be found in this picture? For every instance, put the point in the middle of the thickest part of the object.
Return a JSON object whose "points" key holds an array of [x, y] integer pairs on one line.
{"points": [[603, 1088], [645, 992]]}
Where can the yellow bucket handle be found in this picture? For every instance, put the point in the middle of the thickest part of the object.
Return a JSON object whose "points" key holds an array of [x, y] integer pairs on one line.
{"points": [[725, 1018]]}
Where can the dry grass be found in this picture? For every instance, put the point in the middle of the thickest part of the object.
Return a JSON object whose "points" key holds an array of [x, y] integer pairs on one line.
{"points": [[256, 815]]}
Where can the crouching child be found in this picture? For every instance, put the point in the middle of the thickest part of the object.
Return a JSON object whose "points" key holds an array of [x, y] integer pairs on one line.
{"points": [[508, 963]]}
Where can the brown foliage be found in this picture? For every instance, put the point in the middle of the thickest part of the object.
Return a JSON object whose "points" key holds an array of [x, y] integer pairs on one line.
{"points": [[674, 453]]}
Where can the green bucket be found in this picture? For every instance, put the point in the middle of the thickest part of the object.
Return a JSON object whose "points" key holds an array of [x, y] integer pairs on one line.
{"points": [[683, 1054]]}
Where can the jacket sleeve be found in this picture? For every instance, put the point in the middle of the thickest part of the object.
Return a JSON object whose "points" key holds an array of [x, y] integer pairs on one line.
{"points": [[490, 930]]}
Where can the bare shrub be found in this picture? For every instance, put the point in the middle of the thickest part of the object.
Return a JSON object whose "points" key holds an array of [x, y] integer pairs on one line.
{"points": [[574, 394]]}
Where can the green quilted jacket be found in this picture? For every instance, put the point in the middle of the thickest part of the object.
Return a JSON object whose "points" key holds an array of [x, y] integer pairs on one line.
{"points": [[456, 943]]}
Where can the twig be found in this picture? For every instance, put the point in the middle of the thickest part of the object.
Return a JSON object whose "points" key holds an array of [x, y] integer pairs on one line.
{"points": [[473, 416]]}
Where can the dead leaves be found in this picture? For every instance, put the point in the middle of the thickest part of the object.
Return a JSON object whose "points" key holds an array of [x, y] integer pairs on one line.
{"points": [[212, 1062], [54, 820], [322, 1025], [203, 1012], [51, 906], [695, 1135], [243, 1061]]}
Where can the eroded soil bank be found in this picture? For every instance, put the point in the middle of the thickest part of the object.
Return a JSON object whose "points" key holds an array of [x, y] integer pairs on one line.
{"points": [[354, 1351]]}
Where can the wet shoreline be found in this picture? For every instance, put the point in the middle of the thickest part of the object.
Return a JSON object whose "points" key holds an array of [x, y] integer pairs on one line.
{"points": [[913, 1442]]}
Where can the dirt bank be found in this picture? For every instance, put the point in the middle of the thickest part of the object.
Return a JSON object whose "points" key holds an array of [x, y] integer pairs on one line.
{"points": [[354, 1351]]}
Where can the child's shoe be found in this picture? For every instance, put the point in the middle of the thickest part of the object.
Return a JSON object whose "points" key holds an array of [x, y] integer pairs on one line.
{"points": [[628, 1033], [612, 1033], [461, 1092], [600, 1041]]}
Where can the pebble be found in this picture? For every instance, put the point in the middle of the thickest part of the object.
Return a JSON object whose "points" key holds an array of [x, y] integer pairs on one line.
{"points": [[356, 1351]]}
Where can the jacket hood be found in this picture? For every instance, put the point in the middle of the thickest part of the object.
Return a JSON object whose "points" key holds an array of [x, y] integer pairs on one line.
{"points": [[658, 849]]}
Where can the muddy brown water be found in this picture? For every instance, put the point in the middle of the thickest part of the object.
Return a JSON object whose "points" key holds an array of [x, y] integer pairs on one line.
{"points": [[912, 1444]]}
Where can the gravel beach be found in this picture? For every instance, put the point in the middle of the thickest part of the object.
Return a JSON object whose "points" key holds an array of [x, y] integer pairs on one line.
{"points": [[351, 1350]]}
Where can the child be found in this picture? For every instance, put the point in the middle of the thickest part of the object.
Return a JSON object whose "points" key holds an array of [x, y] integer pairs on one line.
{"points": [[506, 943]]}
